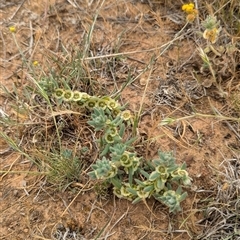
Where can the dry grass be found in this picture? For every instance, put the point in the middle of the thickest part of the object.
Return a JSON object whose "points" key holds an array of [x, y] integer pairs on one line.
{"points": [[222, 214]]}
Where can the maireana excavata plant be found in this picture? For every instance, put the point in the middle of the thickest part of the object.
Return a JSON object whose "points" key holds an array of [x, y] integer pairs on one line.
{"points": [[132, 177]]}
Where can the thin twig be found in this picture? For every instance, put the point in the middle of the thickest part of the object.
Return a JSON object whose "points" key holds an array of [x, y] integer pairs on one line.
{"points": [[17, 10], [108, 234], [132, 52]]}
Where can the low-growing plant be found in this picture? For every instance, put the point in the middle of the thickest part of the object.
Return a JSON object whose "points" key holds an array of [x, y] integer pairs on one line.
{"points": [[131, 176], [218, 51], [64, 169]]}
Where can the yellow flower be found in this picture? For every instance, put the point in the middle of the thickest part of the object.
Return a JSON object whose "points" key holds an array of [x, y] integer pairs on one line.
{"points": [[109, 138], [188, 8], [68, 95], [142, 194], [85, 96], [191, 11], [125, 160], [35, 63], [124, 192], [91, 102], [112, 104], [58, 93], [77, 96], [102, 103], [12, 29], [116, 111], [117, 192], [126, 115], [112, 131]]}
